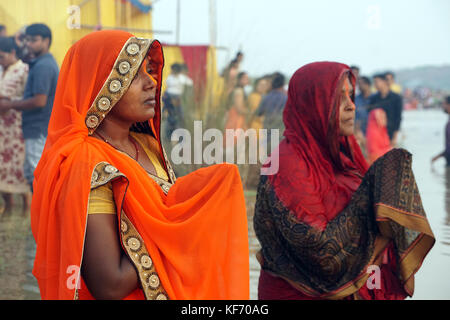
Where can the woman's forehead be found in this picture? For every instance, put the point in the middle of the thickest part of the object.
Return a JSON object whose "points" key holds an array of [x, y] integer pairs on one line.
{"points": [[347, 85]]}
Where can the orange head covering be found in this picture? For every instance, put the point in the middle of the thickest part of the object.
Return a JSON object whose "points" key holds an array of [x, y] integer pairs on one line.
{"points": [[196, 235]]}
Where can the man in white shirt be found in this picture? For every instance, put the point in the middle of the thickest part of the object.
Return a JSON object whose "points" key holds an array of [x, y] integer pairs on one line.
{"points": [[176, 84]]}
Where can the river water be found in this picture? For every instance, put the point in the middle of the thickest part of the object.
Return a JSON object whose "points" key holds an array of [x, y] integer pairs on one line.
{"points": [[422, 135]]}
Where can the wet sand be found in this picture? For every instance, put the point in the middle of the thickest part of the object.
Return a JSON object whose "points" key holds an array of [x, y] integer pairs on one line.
{"points": [[422, 135]]}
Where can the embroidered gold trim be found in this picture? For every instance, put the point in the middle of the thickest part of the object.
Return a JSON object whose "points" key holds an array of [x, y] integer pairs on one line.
{"points": [[103, 173], [163, 184], [136, 250], [125, 68], [172, 176], [131, 239]]}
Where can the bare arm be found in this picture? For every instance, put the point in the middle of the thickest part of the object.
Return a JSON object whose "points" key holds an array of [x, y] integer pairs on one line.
{"points": [[106, 269], [438, 156], [37, 101]]}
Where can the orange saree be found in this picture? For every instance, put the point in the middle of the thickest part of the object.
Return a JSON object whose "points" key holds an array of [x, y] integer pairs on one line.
{"points": [[187, 238]]}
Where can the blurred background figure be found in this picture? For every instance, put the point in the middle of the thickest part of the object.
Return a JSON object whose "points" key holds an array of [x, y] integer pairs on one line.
{"points": [[261, 87], [356, 72], [395, 87], [188, 83], [377, 138], [231, 73], [3, 32], [362, 101], [391, 103], [176, 83], [271, 108], [238, 111], [23, 52], [12, 146], [37, 102], [446, 152]]}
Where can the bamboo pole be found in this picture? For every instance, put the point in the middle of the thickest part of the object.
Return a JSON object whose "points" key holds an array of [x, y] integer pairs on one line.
{"points": [[137, 30]]}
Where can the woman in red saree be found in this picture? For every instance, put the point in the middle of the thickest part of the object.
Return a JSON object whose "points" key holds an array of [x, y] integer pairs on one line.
{"points": [[325, 220], [113, 207], [377, 137]]}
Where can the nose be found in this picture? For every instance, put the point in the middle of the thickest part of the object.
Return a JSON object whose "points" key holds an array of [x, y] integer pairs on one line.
{"points": [[351, 105], [150, 82]]}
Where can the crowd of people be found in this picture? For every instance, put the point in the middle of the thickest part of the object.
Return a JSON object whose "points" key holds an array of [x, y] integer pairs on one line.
{"points": [[28, 77]]}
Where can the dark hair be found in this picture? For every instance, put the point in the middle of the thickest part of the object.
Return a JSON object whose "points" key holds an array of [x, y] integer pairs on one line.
{"points": [[277, 80], [39, 29], [381, 76], [183, 66], [354, 67], [366, 80], [233, 63], [447, 99], [176, 67], [390, 73], [8, 44], [2, 27], [240, 75]]}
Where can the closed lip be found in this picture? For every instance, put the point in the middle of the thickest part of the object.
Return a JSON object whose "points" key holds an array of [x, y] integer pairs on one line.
{"points": [[349, 120], [150, 101]]}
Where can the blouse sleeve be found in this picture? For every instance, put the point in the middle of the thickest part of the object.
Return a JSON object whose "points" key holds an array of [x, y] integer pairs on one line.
{"points": [[101, 200]]}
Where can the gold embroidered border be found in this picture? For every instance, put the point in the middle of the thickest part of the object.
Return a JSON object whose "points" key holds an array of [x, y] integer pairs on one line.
{"points": [[130, 238], [125, 68], [411, 260], [172, 176], [136, 250], [163, 184], [103, 173]]}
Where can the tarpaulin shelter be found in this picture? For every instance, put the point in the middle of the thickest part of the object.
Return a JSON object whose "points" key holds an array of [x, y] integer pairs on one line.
{"points": [[202, 65], [70, 20]]}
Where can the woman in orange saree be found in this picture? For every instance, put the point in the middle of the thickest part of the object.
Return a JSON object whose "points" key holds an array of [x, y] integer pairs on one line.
{"points": [[329, 226], [180, 238]]}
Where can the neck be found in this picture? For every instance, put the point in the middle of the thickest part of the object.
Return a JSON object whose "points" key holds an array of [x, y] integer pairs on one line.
{"points": [[115, 131], [384, 93], [41, 54], [366, 93]]}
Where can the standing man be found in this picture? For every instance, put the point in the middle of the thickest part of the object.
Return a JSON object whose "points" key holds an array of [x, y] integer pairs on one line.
{"points": [[173, 109], [395, 87], [37, 103], [356, 73], [362, 100], [391, 103], [271, 107], [446, 152]]}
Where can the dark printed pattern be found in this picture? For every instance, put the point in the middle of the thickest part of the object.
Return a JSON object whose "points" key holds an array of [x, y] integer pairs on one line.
{"points": [[326, 260]]}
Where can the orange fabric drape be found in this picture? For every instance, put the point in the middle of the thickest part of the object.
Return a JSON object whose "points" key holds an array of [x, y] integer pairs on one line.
{"points": [[196, 234]]}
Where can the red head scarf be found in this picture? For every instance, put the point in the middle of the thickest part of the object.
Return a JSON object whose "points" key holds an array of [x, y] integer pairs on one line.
{"points": [[196, 235], [318, 169]]}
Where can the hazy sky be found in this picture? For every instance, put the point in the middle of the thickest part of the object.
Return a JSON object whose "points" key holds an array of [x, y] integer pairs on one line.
{"points": [[286, 34]]}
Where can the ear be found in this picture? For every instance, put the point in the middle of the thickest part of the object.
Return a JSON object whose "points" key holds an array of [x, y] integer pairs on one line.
{"points": [[47, 42]]}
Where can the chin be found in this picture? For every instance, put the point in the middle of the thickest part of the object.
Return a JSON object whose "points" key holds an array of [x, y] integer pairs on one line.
{"points": [[347, 133]]}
